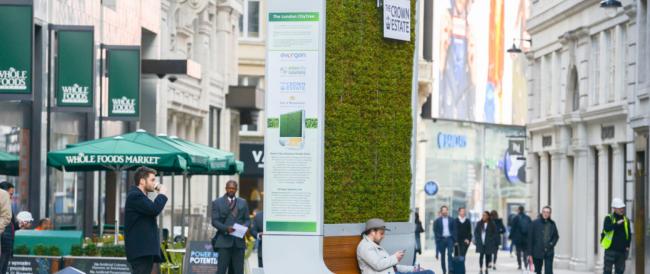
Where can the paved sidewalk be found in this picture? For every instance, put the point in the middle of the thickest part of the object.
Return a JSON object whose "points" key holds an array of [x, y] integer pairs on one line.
{"points": [[505, 263]]}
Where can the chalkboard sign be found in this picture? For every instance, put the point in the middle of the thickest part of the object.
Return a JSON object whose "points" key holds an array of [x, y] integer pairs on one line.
{"points": [[33, 265], [98, 265], [200, 258]]}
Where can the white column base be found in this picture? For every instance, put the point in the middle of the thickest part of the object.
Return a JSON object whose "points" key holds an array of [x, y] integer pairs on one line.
{"points": [[578, 265], [306, 252], [562, 261]]}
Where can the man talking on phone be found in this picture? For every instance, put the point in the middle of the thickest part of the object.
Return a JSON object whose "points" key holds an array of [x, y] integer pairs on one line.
{"points": [[374, 259], [141, 239]]}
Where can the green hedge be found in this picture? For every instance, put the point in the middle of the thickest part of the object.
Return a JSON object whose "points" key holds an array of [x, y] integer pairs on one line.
{"points": [[368, 119]]}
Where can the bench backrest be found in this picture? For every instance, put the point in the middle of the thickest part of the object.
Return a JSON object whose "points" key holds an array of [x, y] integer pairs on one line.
{"points": [[340, 254]]}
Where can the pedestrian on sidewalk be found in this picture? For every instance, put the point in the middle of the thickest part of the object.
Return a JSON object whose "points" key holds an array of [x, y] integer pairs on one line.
{"points": [[227, 212], [463, 232], [374, 259], [141, 239], [616, 238], [418, 231], [501, 229], [485, 239], [511, 248], [519, 236], [542, 238], [445, 232]]}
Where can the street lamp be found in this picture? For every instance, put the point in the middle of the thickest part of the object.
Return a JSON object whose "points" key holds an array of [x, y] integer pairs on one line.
{"points": [[516, 49], [611, 6]]}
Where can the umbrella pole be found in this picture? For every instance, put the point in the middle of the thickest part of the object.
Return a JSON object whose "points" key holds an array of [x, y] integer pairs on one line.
{"points": [[160, 217], [173, 194], [189, 198], [117, 205], [183, 208]]}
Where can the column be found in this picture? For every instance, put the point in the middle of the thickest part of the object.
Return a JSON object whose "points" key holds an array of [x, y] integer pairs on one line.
{"points": [[603, 194], [561, 194], [532, 179], [543, 183], [618, 171], [582, 205], [171, 124]]}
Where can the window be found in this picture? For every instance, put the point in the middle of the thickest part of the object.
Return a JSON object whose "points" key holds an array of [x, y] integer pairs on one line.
{"points": [[574, 89], [610, 40], [249, 22], [595, 73], [248, 80]]}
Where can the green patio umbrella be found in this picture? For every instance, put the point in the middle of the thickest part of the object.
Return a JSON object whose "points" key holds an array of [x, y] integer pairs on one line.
{"points": [[119, 153], [8, 164]]}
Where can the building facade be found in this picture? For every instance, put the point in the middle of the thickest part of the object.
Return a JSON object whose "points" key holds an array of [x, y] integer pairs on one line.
{"points": [[581, 84]]}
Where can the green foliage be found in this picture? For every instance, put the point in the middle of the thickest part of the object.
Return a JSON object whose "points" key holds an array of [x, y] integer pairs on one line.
{"points": [[112, 251], [91, 250], [77, 250], [40, 250], [21, 250], [53, 251], [368, 119]]}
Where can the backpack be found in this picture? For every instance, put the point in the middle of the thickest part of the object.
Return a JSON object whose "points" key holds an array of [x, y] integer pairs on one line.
{"points": [[524, 223]]}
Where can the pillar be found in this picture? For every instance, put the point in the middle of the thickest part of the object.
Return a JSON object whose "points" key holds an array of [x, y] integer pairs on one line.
{"points": [[618, 170], [582, 205], [603, 194], [561, 191], [543, 183]]}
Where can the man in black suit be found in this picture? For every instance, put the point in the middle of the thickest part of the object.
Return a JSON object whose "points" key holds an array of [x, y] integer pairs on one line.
{"points": [[141, 239], [445, 233], [257, 230], [227, 211]]}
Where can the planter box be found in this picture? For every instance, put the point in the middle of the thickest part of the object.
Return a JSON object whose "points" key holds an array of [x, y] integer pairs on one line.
{"points": [[113, 265], [34, 264]]}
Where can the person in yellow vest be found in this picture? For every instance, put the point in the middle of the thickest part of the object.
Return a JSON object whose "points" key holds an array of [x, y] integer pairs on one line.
{"points": [[616, 238]]}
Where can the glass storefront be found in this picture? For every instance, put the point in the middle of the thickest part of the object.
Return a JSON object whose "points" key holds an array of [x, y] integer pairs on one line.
{"points": [[14, 140], [476, 166]]}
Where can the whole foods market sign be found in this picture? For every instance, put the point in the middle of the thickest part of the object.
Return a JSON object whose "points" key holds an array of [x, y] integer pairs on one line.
{"points": [[74, 67], [83, 159], [16, 48], [397, 19], [123, 82]]}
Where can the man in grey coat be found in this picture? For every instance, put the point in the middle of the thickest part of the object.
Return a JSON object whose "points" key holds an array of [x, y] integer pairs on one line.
{"points": [[227, 211]]}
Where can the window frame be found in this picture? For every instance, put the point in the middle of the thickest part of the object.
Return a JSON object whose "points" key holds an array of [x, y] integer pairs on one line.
{"points": [[243, 24]]}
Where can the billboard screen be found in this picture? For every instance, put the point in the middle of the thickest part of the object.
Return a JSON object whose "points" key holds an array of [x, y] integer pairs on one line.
{"points": [[476, 79]]}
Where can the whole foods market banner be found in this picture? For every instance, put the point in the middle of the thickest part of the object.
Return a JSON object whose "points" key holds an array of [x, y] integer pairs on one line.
{"points": [[123, 68], [16, 48], [74, 68], [293, 148], [477, 80]]}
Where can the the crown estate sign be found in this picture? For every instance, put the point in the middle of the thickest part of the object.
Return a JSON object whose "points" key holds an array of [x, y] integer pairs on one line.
{"points": [[397, 19], [124, 82], [16, 47], [74, 68]]}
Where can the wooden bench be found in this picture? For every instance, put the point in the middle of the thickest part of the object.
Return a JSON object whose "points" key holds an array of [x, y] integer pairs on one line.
{"points": [[340, 254]]}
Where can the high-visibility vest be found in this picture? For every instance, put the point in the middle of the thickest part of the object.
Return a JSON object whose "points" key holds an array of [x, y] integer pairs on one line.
{"points": [[606, 242]]}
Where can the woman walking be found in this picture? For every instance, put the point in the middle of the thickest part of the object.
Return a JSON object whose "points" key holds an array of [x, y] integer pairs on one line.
{"points": [[485, 239], [501, 229]]}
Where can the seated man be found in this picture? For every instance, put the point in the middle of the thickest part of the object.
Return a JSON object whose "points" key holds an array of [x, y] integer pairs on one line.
{"points": [[373, 259]]}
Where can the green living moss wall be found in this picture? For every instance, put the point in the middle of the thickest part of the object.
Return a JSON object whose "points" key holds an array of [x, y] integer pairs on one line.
{"points": [[368, 119]]}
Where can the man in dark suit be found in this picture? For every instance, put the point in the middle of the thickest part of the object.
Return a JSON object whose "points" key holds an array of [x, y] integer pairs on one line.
{"points": [[257, 230], [444, 230], [141, 239], [226, 212]]}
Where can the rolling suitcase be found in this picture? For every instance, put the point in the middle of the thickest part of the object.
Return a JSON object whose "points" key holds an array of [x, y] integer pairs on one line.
{"points": [[458, 261]]}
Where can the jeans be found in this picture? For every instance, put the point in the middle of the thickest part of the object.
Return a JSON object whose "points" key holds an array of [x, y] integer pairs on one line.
{"points": [[547, 262], [616, 260], [142, 265], [446, 249]]}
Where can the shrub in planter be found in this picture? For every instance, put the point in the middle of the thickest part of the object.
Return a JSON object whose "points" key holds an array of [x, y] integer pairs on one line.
{"points": [[77, 250], [91, 250], [21, 250], [41, 250], [113, 251], [54, 251]]}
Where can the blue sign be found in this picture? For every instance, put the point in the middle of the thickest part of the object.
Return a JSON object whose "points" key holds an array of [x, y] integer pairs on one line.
{"points": [[431, 188], [446, 141]]}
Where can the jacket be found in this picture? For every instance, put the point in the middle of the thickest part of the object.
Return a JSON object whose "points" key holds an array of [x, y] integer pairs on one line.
{"points": [[438, 230], [463, 230], [622, 239], [536, 245], [490, 245], [140, 225], [519, 237], [374, 259], [223, 217], [501, 229], [5, 210]]}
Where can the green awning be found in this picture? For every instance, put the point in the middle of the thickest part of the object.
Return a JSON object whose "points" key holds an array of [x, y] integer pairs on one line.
{"points": [[8, 164], [221, 162], [125, 152]]}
